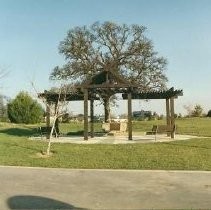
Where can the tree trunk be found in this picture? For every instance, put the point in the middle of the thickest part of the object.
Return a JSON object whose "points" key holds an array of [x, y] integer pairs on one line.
{"points": [[57, 127], [106, 109], [50, 137]]}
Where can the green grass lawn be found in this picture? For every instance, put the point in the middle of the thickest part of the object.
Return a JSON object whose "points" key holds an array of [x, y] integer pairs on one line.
{"points": [[192, 126], [17, 149]]}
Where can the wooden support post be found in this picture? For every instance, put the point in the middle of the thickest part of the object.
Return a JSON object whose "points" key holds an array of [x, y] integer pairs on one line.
{"points": [[48, 113], [172, 117], [48, 120], [57, 119], [130, 116], [92, 117], [86, 114], [106, 109], [168, 120]]}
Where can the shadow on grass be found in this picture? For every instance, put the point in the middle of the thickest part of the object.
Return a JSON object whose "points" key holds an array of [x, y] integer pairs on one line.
{"points": [[19, 131], [81, 133], [37, 202], [76, 133]]}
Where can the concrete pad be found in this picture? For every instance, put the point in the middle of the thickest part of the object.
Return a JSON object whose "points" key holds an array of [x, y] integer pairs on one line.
{"points": [[39, 188], [120, 139]]}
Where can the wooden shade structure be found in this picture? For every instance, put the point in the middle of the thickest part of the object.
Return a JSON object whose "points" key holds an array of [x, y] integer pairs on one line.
{"points": [[168, 95], [106, 82], [111, 83]]}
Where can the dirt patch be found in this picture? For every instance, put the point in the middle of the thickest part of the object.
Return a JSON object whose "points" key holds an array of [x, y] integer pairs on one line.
{"points": [[43, 155]]}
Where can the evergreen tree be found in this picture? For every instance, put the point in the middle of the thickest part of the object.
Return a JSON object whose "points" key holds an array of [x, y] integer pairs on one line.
{"points": [[24, 109]]}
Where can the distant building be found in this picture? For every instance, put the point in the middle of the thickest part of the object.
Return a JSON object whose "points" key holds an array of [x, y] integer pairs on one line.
{"points": [[142, 114]]}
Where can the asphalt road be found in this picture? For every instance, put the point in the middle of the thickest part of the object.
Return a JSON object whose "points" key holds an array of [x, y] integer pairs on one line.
{"points": [[40, 188]]}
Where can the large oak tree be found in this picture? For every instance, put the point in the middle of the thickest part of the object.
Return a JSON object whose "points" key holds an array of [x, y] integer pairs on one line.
{"points": [[109, 46]]}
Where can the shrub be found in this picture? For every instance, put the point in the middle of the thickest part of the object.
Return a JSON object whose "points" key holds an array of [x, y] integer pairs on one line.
{"points": [[198, 110], [66, 118], [209, 113], [24, 109]]}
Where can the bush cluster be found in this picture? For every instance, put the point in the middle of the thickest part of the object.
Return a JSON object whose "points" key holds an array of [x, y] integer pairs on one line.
{"points": [[24, 109]]}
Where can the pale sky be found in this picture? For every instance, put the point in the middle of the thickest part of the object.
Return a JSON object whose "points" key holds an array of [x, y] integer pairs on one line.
{"points": [[31, 31]]}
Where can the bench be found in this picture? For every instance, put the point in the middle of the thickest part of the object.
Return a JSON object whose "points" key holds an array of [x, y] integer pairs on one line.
{"points": [[159, 129], [45, 131]]}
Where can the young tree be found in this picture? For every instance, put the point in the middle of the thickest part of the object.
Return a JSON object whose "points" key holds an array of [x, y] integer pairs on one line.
{"points": [[3, 98], [56, 109], [197, 111], [109, 46], [189, 110], [3, 108], [24, 109]]}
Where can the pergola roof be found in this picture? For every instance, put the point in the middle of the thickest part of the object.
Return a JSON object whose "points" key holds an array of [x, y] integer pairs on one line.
{"points": [[113, 83], [54, 97], [79, 96], [155, 94], [107, 79]]}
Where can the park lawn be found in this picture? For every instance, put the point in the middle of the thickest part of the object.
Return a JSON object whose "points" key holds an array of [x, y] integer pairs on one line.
{"points": [[190, 126], [17, 150]]}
